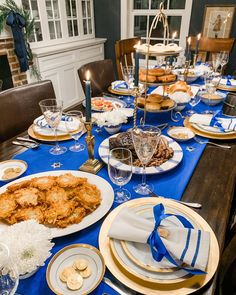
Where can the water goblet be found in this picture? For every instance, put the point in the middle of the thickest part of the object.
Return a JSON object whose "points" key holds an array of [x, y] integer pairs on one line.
{"points": [[224, 58], [74, 128], [128, 74], [216, 61], [120, 172], [145, 140], [52, 111], [9, 277], [193, 102], [211, 83]]}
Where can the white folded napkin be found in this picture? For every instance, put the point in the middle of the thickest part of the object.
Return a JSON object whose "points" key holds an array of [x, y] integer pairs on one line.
{"points": [[224, 124], [42, 124], [224, 81], [120, 85], [190, 246]]}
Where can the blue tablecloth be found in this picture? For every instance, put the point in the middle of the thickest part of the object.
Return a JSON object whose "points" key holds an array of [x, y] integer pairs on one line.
{"points": [[170, 185]]}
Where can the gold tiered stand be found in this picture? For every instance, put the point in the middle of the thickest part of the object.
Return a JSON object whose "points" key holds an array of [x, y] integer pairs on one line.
{"points": [[160, 17]]}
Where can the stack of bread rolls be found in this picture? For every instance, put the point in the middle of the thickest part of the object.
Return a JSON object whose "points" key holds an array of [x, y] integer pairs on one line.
{"points": [[155, 102], [156, 75]]}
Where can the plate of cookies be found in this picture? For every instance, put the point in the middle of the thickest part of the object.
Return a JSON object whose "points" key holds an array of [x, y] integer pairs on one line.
{"points": [[156, 103], [75, 269], [157, 76]]}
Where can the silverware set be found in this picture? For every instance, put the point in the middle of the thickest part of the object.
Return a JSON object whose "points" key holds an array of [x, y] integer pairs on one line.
{"points": [[26, 142]]}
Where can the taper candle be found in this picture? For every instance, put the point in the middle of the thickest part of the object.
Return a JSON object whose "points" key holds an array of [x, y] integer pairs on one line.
{"points": [[188, 52], [136, 73], [88, 97], [197, 44]]}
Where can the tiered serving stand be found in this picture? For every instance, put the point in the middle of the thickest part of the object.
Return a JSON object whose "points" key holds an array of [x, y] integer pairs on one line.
{"points": [[162, 18]]}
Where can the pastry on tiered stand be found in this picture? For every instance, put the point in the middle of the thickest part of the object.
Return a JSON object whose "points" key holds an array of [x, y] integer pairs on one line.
{"points": [[155, 103], [156, 75]]}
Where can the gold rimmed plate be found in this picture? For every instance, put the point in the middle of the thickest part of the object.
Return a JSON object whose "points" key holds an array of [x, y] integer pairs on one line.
{"points": [[188, 285], [12, 169], [65, 258], [207, 134], [119, 92]]}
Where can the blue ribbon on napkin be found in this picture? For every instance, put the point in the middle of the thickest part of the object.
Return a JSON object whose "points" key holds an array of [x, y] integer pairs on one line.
{"points": [[158, 248], [216, 123], [119, 85]]}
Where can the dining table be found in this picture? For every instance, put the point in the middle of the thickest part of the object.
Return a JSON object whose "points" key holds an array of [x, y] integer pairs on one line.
{"points": [[206, 175]]}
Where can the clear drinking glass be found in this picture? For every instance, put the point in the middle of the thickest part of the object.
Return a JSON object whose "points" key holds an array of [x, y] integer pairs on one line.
{"points": [[52, 111], [211, 83], [224, 58], [145, 139], [193, 102], [120, 174], [128, 74], [9, 277], [74, 128], [216, 61]]}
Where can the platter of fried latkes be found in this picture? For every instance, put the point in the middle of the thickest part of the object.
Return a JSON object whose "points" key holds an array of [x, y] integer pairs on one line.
{"points": [[155, 103], [66, 201]]}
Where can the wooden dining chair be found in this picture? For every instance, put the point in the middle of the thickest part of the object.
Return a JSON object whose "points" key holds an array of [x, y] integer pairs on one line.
{"points": [[101, 75], [207, 46], [124, 54], [20, 106]]}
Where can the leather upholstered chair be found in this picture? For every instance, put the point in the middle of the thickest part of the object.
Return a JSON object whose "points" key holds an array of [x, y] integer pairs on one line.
{"points": [[101, 75], [124, 54], [19, 107]]}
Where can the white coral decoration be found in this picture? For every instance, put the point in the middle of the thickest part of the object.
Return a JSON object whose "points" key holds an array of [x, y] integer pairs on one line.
{"points": [[113, 118], [29, 245]]}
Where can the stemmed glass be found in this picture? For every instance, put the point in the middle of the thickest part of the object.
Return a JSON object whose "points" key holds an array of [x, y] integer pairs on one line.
{"points": [[128, 74], [9, 277], [120, 174], [52, 111], [74, 128], [193, 102], [211, 83], [145, 140], [224, 58]]}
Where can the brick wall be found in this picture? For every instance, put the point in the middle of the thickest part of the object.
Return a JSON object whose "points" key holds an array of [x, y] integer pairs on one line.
{"points": [[7, 48]]}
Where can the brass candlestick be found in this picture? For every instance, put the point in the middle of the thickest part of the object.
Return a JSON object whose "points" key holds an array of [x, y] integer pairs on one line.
{"points": [[186, 70], [92, 165], [194, 60]]}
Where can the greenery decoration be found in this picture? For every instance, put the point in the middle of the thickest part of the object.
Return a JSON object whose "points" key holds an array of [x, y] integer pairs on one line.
{"points": [[5, 9]]}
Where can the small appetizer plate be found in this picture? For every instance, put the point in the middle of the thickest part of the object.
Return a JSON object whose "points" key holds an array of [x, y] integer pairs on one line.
{"points": [[180, 134], [11, 169]]}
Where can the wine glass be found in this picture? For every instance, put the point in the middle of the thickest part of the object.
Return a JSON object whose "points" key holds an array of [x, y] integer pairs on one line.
{"points": [[145, 140], [224, 58], [9, 277], [216, 61], [52, 111], [120, 174], [193, 102], [74, 128], [128, 74], [211, 83]]}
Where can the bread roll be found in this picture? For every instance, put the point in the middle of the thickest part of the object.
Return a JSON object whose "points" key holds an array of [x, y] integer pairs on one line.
{"points": [[167, 78], [156, 72], [150, 78], [156, 98], [153, 106], [167, 103]]}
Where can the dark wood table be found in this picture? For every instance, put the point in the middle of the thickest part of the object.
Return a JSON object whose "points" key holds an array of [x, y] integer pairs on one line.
{"points": [[212, 184]]}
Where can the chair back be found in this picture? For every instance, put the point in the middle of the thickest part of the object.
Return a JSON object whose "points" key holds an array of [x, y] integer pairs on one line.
{"points": [[207, 46], [20, 106], [101, 75], [124, 54]]}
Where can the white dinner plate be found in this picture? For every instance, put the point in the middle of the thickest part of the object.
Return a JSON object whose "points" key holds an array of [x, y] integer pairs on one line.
{"points": [[66, 257], [103, 152], [12, 164], [210, 129], [116, 103], [107, 198]]}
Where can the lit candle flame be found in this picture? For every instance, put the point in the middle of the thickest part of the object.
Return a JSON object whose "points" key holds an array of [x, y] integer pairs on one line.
{"points": [[88, 75], [189, 40], [174, 35], [199, 36]]}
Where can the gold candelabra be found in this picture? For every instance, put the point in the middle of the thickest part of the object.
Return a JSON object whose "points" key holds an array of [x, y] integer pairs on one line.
{"points": [[92, 165]]}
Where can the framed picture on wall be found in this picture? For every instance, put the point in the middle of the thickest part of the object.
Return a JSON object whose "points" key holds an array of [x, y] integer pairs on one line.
{"points": [[217, 21]]}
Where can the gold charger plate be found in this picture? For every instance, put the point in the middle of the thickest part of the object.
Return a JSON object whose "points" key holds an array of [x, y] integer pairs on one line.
{"points": [[226, 88], [117, 92], [189, 285], [38, 136], [209, 134]]}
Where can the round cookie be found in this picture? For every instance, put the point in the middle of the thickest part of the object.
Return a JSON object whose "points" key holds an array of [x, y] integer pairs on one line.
{"points": [[74, 281], [167, 103], [156, 98], [156, 72], [86, 272], [153, 106], [65, 273], [80, 264]]}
